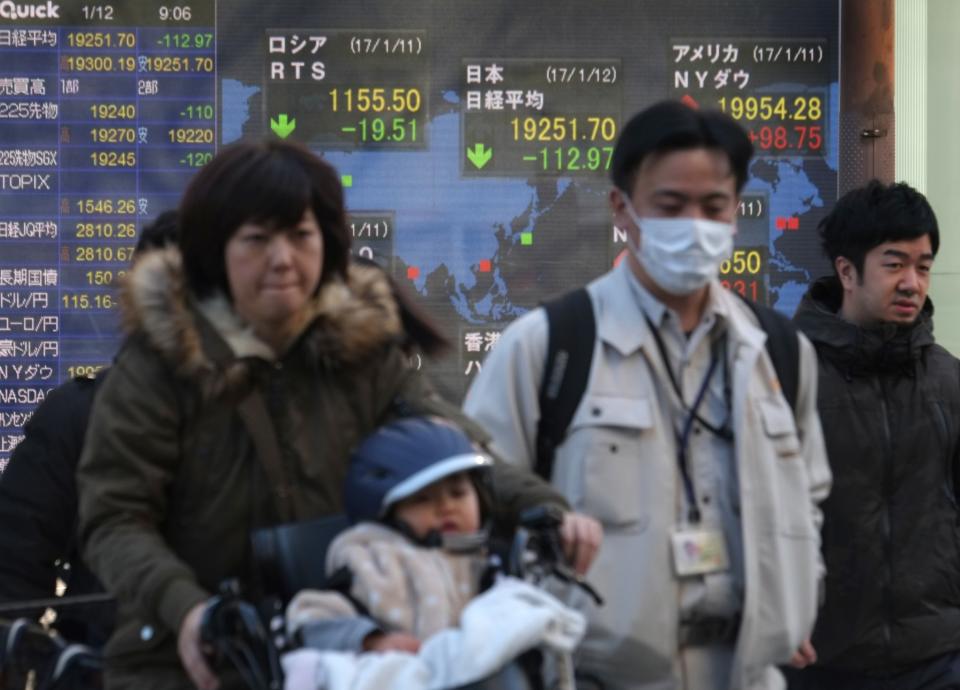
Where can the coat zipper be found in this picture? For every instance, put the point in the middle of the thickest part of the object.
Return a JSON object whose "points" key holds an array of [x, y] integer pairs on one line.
{"points": [[887, 527]]}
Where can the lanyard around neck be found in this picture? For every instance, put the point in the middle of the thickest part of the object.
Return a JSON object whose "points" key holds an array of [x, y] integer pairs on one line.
{"points": [[692, 415]]}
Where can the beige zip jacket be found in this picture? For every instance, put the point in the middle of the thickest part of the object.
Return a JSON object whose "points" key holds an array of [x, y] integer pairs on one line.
{"points": [[618, 464]]}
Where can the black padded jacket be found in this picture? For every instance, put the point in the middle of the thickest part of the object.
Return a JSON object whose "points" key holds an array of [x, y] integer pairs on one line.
{"points": [[38, 515], [889, 401]]}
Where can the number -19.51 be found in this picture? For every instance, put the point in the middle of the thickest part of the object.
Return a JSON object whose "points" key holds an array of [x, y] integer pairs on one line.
{"points": [[381, 129]]}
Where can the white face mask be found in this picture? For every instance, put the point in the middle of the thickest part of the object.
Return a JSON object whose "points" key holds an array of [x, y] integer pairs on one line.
{"points": [[681, 255]]}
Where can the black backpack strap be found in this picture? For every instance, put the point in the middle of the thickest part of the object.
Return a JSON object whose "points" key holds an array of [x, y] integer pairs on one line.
{"points": [[783, 346], [572, 332]]}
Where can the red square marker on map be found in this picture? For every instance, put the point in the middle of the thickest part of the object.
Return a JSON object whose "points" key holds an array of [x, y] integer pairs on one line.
{"points": [[781, 223], [793, 223], [485, 266], [413, 272]]}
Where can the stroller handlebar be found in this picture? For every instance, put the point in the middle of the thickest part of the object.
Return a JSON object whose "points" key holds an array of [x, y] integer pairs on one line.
{"points": [[537, 550], [233, 630]]}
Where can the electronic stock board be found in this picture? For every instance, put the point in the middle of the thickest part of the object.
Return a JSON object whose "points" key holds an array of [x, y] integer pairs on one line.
{"points": [[473, 139]]}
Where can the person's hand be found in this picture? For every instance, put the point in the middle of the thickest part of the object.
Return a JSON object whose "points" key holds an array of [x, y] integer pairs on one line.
{"points": [[395, 641], [190, 649], [581, 536], [804, 656]]}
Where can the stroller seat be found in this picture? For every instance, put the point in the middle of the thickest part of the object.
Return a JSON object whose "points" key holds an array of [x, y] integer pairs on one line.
{"points": [[513, 617]]}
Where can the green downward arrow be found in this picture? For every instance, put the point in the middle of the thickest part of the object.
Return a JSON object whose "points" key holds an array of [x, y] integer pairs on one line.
{"points": [[480, 155], [282, 127]]}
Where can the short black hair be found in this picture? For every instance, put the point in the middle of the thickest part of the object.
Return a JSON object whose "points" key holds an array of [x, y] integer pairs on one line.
{"points": [[672, 126], [272, 183], [159, 233], [868, 216]]}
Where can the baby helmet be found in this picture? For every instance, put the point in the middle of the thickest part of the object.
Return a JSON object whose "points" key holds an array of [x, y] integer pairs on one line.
{"points": [[402, 457]]}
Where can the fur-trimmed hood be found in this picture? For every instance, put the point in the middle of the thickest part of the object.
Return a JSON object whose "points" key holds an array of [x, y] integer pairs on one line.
{"points": [[349, 320]]}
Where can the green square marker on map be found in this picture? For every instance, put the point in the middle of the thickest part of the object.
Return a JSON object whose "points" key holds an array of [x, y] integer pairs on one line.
{"points": [[346, 180], [526, 238]]}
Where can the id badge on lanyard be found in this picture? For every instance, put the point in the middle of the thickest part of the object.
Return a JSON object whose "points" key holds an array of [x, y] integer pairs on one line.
{"points": [[698, 550]]}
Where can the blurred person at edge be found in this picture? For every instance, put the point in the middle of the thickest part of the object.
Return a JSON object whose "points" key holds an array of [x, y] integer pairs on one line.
{"points": [[890, 404], [257, 308], [38, 496]]}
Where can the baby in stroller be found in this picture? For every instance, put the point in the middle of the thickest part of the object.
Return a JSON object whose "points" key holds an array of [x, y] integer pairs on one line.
{"points": [[417, 560]]}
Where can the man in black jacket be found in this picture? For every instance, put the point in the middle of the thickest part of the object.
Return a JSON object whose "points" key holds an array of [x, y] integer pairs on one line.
{"points": [[889, 401], [38, 515], [38, 499]]}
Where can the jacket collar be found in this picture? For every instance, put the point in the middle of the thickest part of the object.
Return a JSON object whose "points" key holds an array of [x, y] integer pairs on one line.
{"points": [[350, 320], [877, 348], [619, 316], [622, 303]]}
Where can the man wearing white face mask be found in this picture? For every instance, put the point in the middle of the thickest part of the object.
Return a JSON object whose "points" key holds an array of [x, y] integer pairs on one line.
{"points": [[706, 478]]}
